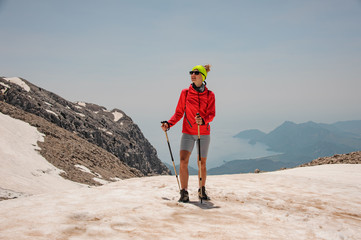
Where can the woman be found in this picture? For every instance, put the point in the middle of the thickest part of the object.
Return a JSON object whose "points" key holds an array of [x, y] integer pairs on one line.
{"points": [[195, 99]]}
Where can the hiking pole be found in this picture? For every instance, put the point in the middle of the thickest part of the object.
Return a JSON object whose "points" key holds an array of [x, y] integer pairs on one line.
{"points": [[171, 155], [200, 161]]}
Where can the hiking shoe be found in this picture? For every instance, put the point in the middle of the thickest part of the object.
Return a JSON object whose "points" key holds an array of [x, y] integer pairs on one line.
{"points": [[184, 196], [204, 194]]}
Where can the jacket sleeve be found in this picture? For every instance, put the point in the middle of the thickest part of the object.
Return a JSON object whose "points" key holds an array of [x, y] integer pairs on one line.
{"points": [[211, 111], [179, 111]]}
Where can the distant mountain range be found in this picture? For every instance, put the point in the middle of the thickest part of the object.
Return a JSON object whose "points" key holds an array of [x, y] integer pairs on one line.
{"points": [[298, 143], [310, 138]]}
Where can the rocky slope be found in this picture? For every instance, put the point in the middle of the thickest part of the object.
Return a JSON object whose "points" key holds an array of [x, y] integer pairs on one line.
{"points": [[113, 130], [348, 158], [80, 160]]}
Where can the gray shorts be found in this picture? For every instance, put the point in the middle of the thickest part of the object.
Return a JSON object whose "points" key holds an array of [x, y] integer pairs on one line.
{"points": [[187, 143]]}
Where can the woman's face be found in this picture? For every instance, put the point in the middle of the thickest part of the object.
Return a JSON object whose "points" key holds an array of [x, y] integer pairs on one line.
{"points": [[197, 79]]}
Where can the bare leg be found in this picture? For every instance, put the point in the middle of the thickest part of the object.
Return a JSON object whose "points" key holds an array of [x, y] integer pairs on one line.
{"points": [[183, 168]]}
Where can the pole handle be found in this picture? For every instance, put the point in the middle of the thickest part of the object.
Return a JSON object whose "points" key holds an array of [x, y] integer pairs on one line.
{"points": [[163, 122]]}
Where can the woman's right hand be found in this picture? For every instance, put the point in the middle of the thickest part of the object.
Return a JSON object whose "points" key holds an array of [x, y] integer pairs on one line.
{"points": [[165, 126]]}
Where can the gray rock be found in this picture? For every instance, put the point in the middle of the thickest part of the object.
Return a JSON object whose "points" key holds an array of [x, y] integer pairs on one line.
{"points": [[79, 160], [112, 130], [348, 158]]}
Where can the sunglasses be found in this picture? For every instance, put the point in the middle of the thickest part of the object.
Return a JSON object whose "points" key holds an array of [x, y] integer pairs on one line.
{"points": [[195, 72]]}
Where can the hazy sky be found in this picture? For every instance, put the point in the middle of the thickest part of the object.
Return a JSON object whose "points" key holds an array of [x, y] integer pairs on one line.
{"points": [[272, 60]]}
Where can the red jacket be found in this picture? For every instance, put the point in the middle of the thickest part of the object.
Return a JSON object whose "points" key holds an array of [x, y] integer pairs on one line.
{"points": [[189, 104]]}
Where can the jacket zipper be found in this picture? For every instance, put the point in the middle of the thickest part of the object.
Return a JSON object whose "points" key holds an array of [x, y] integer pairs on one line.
{"points": [[185, 115], [199, 103]]}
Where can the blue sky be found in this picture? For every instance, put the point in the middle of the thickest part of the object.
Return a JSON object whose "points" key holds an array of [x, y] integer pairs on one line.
{"points": [[272, 60]]}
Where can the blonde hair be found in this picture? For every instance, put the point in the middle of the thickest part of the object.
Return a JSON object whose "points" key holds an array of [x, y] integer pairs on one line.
{"points": [[207, 67]]}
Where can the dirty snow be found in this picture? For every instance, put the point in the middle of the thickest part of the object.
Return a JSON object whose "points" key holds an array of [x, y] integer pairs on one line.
{"points": [[98, 177], [83, 104], [83, 168], [80, 114], [100, 180], [51, 112], [22, 169], [321, 202], [117, 116], [106, 131], [292, 204], [19, 82]]}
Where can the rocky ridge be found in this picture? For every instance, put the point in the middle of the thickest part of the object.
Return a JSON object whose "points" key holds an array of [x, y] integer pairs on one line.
{"points": [[348, 158], [113, 130], [81, 161]]}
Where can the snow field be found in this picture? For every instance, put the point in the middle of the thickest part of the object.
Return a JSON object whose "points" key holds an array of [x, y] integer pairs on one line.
{"points": [[291, 204], [22, 169]]}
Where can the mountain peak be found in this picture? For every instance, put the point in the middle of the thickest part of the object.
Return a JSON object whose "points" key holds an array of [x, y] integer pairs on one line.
{"points": [[112, 130], [288, 123], [251, 134]]}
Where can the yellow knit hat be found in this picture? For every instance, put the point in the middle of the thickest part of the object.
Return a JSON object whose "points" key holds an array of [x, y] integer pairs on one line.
{"points": [[202, 70]]}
